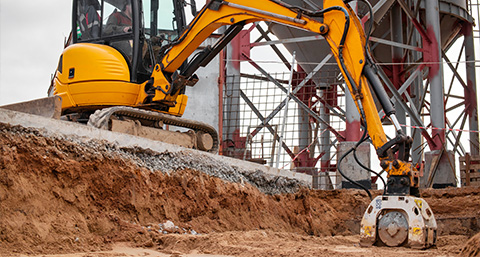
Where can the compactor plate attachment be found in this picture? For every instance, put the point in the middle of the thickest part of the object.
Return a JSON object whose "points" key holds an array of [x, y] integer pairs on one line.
{"points": [[395, 220]]}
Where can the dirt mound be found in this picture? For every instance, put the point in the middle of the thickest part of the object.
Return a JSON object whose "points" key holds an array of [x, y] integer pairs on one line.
{"points": [[472, 247], [61, 196], [454, 201]]}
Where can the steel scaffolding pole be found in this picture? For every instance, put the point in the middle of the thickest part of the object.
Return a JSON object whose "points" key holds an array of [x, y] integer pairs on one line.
{"points": [[352, 128], [232, 89], [437, 108], [417, 97], [471, 90], [324, 179], [396, 35]]}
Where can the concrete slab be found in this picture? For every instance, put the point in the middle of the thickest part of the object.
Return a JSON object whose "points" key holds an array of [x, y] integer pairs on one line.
{"points": [[71, 129], [439, 175], [351, 168]]}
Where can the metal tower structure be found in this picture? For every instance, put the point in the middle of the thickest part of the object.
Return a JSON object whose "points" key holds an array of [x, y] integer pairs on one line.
{"points": [[301, 118]]}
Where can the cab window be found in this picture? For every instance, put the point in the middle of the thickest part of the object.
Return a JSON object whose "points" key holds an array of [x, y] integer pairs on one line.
{"points": [[117, 21], [88, 19], [118, 17], [106, 21], [159, 20]]}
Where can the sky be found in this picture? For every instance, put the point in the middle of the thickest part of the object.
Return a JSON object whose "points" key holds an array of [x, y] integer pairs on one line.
{"points": [[31, 41]]}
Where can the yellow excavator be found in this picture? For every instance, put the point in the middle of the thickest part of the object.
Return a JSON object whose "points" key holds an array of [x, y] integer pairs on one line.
{"points": [[128, 62]]}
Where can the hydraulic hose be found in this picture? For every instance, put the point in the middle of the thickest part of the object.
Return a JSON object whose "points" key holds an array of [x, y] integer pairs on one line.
{"points": [[370, 25], [363, 139], [353, 149]]}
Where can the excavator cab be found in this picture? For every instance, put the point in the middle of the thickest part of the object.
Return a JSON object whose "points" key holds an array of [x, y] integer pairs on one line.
{"points": [[108, 22], [112, 53], [134, 28]]}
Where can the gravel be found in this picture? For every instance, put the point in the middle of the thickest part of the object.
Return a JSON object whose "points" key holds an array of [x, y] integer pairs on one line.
{"points": [[166, 162]]}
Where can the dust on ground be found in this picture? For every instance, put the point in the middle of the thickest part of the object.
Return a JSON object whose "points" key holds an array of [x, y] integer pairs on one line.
{"points": [[62, 196]]}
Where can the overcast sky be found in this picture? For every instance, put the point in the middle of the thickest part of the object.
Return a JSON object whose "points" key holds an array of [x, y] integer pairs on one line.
{"points": [[32, 33]]}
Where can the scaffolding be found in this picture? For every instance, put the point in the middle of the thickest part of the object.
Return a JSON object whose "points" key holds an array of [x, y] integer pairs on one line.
{"points": [[435, 96]]}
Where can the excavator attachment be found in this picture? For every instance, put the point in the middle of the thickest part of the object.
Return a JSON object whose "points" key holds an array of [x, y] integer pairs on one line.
{"points": [[50, 107], [398, 221]]}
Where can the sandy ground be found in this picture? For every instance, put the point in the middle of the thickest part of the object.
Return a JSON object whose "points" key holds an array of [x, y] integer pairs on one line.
{"points": [[61, 197], [267, 243]]}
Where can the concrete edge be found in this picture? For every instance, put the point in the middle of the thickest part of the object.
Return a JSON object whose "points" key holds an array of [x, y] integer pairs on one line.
{"points": [[65, 128]]}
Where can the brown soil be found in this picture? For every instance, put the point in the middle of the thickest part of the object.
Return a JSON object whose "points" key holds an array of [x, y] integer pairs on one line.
{"points": [[58, 196], [268, 243], [472, 247]]}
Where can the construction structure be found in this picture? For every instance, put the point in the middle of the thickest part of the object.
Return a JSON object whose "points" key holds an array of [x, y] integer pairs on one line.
{"points": [[301, 118]]}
